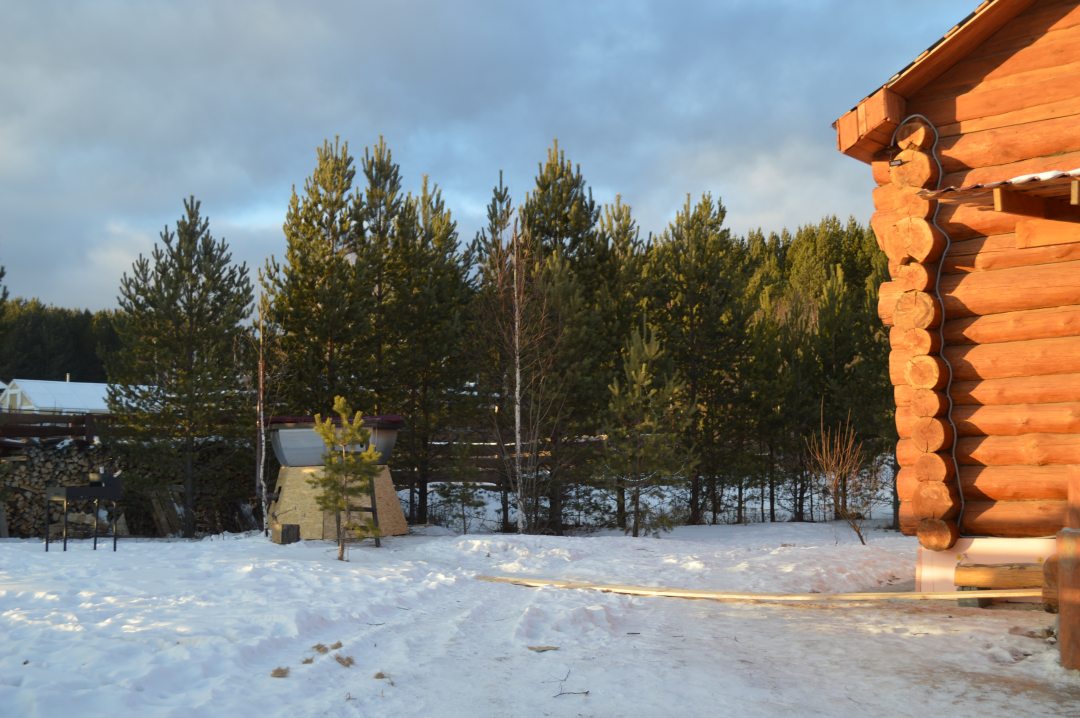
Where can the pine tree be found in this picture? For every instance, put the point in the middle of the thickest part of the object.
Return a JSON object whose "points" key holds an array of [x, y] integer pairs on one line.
{"points": [[644, 450], [696, 278], [490, 256], [625, 293], [834, 271], [347, 471], [518, 332], [815, 336], [321, 322], [38, 341], [766, 377], [175, 380], [382, 204], [622, 301], [427, 339], [560, 212], [3, 312], [561, 216], [575, 267]]}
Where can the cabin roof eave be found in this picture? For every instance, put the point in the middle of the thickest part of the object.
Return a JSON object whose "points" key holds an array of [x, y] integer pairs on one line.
{"points": [[867, 128]]}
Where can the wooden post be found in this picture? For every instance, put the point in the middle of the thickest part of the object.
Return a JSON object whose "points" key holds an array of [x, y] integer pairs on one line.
{"points": [[1068, 566]]}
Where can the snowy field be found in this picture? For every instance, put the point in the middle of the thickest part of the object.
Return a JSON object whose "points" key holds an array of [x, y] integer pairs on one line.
{"points": [[178, 628]]}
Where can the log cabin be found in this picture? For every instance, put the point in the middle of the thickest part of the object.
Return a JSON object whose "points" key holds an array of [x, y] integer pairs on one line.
{"points": [[974, 151]]}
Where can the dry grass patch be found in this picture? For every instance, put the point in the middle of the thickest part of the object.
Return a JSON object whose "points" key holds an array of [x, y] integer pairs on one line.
{"points": [[279, 672], [346, 661]]}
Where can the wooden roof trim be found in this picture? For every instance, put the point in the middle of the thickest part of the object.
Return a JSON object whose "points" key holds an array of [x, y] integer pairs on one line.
{"points": [[883, 109], [958, 42]]}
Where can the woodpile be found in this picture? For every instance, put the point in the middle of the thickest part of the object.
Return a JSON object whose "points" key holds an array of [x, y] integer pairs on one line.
{"points": [[26, 476]]}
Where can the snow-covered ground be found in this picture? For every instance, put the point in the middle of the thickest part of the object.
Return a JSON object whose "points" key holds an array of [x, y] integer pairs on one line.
{"points": [[179, 628]]}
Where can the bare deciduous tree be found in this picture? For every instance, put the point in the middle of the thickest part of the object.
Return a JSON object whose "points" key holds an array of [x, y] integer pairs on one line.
{"points": [[837, 455]]}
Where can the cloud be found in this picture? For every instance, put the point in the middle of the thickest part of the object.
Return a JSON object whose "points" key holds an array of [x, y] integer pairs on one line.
{"points": [[112, 112], [96, 269]]}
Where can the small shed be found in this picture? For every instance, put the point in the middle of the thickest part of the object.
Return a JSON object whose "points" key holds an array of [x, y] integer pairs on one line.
{"points": [[974, 149], [57, 397], [300, 452]]}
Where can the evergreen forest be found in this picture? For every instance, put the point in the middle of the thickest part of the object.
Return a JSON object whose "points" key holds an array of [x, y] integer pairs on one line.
{"points": [[590, 371]]}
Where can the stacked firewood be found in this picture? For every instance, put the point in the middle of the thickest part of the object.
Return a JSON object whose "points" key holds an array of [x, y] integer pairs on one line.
{"points": [[25, 477]]}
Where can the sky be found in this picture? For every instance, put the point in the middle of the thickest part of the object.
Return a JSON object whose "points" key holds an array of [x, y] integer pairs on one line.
{"points": [[111, 113]]}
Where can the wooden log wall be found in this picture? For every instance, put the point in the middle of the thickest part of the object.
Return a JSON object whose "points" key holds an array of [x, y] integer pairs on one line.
{"points": [[1009, 323], [927, 484]]}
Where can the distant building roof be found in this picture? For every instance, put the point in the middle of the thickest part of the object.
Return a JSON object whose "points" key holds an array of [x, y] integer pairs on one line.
{"points": [[73, 397]]}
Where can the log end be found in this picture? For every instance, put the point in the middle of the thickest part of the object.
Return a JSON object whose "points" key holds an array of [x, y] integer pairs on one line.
{"points": [[913, 168], [936, 500], [926, 371], [914, 135], [932, 435], [906, 484], [927, 402], [916, 310], [935, 468], [909, 525], [937, 534]]}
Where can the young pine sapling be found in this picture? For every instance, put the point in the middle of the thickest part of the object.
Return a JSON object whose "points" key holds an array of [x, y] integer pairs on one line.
{"points": [[348, 473]]}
